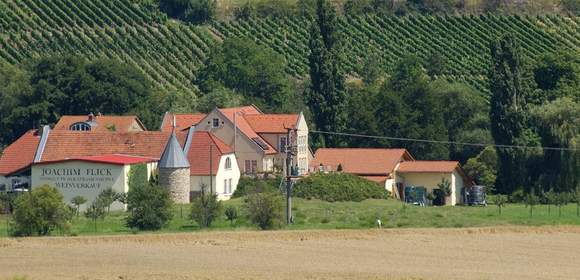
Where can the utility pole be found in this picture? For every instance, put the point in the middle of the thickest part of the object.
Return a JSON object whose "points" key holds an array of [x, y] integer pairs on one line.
{"points": [[289, 151]]}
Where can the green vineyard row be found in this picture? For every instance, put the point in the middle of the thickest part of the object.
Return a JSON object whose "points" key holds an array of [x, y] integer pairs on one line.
{"points": [[169, 53]]}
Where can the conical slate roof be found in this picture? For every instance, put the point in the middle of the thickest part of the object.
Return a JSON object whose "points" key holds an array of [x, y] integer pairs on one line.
{"points": [[173, 156]]}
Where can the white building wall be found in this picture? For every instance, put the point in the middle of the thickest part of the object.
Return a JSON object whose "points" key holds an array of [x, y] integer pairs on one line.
{"points": [[302, 158], [92, 178], [218, 183]]}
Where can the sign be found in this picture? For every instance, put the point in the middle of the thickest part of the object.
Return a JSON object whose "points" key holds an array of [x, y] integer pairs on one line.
{"points": [[77, 178]]}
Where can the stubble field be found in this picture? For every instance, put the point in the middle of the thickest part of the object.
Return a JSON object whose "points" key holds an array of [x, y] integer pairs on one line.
{"points": [[472, 253]]}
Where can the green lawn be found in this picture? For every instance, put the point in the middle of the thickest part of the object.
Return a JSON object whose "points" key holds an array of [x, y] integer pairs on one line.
{"points": [[316, 214]]}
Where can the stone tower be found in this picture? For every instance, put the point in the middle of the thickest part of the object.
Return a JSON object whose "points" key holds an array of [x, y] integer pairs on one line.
{"points": [[174, 171]]}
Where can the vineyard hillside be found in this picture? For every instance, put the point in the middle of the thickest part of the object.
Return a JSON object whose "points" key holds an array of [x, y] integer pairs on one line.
{"points": [[171, 52]]}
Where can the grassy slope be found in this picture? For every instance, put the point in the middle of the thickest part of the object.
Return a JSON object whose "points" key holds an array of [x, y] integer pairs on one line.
{"points": [[314, 214]]}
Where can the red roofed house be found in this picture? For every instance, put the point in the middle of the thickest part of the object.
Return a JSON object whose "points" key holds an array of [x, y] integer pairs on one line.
{"points": [[259, 140], [100, 123], [394, 169], [84, 162]]}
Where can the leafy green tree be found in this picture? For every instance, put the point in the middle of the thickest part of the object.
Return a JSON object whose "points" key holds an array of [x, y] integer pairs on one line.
{"points": [[551, 199], [254, 71], [576, 198], [483, 168], [357, 7], [407, 107], [77, 201], [205, 209], [40, 211], [362, 117], [95, 211], [531, 200], [148, 204], [558, 123], [557, 75], [508, 119], [562, 199], [465, 117], [14, 87], [231, 213], [445, 187], [326, 95], [499, 200], [264, 210], [435, 64], [195, 11], [219, 97], [107, 197]]}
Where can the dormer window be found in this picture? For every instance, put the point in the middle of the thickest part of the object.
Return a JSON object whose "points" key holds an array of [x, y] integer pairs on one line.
{"points": [[80, 126]]}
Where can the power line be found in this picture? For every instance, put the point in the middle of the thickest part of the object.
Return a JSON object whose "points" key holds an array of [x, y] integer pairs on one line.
{"points": [[444, 142]]}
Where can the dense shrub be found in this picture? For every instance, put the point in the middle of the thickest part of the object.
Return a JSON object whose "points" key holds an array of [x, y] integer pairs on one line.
{"points": [[205, 209], [247, 185], [39, 212], [196, 11], [264, 210], [149, 205], [338, 187]]}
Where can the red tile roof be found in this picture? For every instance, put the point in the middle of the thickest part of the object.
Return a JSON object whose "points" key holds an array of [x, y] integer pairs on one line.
{"points": [[64, 144], [243, 126], [109, 159], [199, 153], [105, 123], [272, 123], [428, 166], [183, 121], [361, 161], [20, 154]]}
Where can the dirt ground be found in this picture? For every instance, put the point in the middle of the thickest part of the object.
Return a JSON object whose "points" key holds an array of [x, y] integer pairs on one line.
{"points": [[479, 253]]}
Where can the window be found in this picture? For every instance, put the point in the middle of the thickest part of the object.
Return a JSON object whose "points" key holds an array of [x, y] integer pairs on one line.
{"points": [[80, 126], [229, 185], [282, 145], [226, 186], [215, 123], [228, 163], [251, 166]]}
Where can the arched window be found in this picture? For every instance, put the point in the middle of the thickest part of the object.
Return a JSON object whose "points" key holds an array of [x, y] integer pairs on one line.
{"points": [[80, 126], [228, 163]]}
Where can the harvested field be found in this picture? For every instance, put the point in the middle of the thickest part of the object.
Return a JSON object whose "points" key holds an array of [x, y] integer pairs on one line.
{"points": [[476, 253]]}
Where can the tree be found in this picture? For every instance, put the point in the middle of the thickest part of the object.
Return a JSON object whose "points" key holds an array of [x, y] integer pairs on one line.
{"points": [[558, 123], [250, 70], [148, 204], [483, 168], [40, 211], [531, 200], [507, 116], [219, 97], [576, 198], [96, 211], [195, 11], [557, 75], [326, 95], [499, 200], [231, 214], [445, 187], [69, 85], [107, 197], [205, 209], [563, 199], [264, 209], [77, 201], [551, 199], [435, 64]]}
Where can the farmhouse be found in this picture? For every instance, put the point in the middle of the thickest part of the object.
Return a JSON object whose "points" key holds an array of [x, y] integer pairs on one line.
{"points": [[394, 169], [87, 161], [259, 140]]}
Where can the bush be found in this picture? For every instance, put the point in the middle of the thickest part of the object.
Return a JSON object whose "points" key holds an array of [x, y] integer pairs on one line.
{"points": [[517, 196], [149, 207], [247, 185], [231, 214], [338, 187], [39, 212], [205, 209], [264, 209], [196, 11]]}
